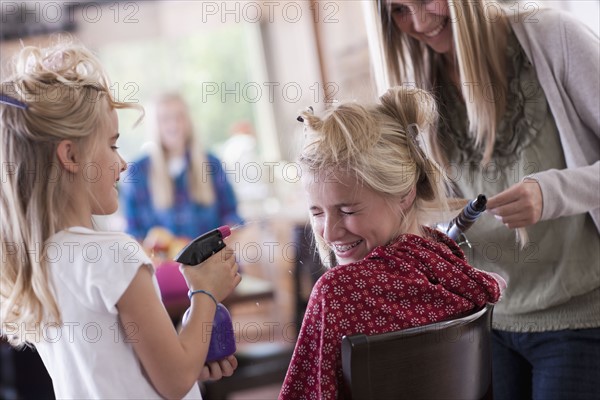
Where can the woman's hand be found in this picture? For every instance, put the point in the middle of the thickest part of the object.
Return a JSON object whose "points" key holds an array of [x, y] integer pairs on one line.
{"points": [[518, 206], [215, 370]]}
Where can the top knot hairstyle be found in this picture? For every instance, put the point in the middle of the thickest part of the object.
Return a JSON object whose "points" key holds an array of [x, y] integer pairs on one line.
{"points": [[55, 93], [382, 145]]}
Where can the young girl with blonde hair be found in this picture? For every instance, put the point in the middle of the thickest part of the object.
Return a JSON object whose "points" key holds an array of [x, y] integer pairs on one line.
{"points": [[371, 191], [87, 300]]}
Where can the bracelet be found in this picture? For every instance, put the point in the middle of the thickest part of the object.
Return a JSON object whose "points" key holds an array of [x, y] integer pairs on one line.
{"points": [[190, 294]]}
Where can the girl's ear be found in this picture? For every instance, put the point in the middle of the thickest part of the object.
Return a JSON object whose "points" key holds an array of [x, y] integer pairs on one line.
{"points": [[68, 156], [409, 199]]}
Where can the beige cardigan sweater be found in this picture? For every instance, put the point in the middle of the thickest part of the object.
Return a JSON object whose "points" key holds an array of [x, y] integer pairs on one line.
{"points": [[566, 57]]}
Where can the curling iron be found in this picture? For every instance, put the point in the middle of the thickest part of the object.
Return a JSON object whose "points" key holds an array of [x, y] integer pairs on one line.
{"points": [[467, 217], [222, 339]]}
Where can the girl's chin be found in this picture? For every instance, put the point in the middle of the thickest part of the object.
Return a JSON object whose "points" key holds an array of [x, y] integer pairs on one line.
{"points": [[441, 49], [105, 211], [442, 43], [346, 261], [350, 257]]}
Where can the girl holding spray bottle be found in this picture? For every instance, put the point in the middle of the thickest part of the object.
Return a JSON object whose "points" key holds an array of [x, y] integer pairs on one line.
{"points": [[87, 300]]}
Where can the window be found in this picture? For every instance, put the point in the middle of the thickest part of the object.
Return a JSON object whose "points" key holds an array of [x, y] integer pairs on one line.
{"points": [[209, 68]]}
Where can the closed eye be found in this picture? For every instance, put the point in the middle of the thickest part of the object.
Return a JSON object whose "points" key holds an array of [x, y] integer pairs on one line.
{"points": [[399, 9], [114, 140], [315, 212]]}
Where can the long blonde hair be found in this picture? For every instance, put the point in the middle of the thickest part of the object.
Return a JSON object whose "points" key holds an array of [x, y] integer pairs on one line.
{"points": [[480, 43], [161, 185], [67, 95], [379, 144]]}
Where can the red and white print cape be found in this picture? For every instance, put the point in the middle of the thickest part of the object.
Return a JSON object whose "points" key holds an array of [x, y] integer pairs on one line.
{"points": [[412, 282]]}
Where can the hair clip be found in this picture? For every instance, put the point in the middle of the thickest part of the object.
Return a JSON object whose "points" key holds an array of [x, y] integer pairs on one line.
{"points": [[416, 137], [4, 99], [310, 110], [53, 62]]}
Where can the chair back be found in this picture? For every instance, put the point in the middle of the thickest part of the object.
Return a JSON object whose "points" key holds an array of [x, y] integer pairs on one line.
{"points": [[445, 360]]}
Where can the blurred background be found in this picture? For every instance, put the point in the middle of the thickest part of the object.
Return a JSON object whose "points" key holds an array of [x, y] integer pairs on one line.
{"points": [[249, 64]]}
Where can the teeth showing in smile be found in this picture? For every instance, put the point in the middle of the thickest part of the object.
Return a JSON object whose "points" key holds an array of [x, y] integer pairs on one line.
{"points": [[436, 31], [345, 247]]}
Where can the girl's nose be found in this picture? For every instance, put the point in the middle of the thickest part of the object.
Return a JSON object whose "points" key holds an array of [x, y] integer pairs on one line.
{"points": [[420, 19], [124, 165], [333, 229]]}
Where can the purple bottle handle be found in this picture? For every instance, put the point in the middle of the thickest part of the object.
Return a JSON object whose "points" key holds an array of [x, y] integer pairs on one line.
{"points": [[222, 338]]}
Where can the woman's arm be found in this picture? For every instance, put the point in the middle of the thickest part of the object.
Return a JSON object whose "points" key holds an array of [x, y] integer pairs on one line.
{"points": [[576, 190], [566, 55]]}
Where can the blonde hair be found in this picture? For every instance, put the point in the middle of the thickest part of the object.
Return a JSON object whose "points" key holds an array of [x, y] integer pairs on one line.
{"points": [[379, 145], [67, 96], [162, 189], [480, 45]]}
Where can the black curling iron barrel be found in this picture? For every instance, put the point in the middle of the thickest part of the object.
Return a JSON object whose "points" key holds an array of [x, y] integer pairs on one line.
{"points": [[201, 248], [467, 217]]}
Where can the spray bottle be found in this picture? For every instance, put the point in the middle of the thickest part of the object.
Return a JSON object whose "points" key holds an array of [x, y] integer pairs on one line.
{"points": [[222, 339], [467, 217]]}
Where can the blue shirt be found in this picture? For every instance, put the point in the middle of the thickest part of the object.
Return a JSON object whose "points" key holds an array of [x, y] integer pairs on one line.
{"points": [[186, 217]]}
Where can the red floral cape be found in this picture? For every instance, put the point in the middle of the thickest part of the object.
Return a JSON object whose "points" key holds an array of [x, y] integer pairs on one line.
{"points": [[412, 282]]}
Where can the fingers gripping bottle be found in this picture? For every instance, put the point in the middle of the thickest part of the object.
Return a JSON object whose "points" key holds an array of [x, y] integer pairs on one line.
{"points": [[222, 339]]}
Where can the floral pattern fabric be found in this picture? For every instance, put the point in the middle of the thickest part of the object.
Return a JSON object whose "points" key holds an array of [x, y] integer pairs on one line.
{"points": [[412, 282]]}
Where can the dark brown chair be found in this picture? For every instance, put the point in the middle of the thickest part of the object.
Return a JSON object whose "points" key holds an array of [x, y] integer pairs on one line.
{"points": [[446, 360]]}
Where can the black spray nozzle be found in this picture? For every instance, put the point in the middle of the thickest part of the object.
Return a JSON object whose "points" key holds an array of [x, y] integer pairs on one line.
{"points": [[467, 217], [201, 248]]}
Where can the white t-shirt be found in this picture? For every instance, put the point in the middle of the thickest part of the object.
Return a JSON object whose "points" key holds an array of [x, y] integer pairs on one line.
{"points": [[89, 356]]}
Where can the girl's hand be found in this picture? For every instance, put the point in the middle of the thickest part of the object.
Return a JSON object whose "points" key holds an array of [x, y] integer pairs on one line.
{"points": [[217, 369], [217, 275], [518, 206]]}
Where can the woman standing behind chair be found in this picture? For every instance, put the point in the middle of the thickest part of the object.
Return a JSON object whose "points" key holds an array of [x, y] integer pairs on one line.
{"points": [[188, 189], [518, 95], [370, 190]]}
